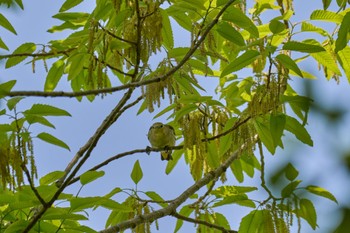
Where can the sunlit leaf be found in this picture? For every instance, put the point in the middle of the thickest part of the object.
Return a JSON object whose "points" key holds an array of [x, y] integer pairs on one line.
{"points": [[237, 17], [290, 188], [155, 197], [277, 124], [68, 4], [3, 45], [327, 16], [185, 211], [6, 24], [11, 103], [293, 126], [343, 32], [240, 62], [167, 32], [321, 192]]}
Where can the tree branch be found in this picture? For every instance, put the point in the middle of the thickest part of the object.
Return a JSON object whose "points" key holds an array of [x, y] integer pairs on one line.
{"points": [[171, 208], [132, 84], [198, 221]]}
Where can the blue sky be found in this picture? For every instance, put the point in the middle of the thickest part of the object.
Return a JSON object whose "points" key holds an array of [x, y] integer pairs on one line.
{"points": [[320, 165]]}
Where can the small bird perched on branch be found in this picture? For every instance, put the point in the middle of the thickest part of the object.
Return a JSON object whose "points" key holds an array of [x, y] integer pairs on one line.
{"points": [[161, 137]]}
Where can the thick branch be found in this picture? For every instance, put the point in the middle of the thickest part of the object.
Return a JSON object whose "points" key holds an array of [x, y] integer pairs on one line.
{"points": [[171, 208], [198, 221]]}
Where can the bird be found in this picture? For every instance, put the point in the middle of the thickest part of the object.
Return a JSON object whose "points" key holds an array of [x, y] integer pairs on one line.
{"points": [[162, 136]]}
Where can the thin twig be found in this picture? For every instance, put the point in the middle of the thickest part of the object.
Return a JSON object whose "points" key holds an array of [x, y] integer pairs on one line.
{"points": [[201, 222]]}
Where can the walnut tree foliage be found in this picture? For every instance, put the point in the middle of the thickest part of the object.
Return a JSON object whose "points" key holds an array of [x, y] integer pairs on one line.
{"points": [[253, 49]]}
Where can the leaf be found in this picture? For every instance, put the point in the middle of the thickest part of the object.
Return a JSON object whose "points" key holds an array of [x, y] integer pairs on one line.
{"points": [[277, 124], [51, 177], [172, 163], [344, 29], [54, 75], [240, 62], [6, 24], [264, 133], [290, 172], [76, 65], [32, 119], [276, 26], [90, 176], [11, 103], [290, 188], [3, 45], [158, 199], [68, 4], [52, 140], [293, 126], [22, 51], [308, 27], [230, 33], [237, 17], [46, 110], [327, 16], [185, 211], [6, 87], [302, 47], [212, 157], [327, 60], [136, 174], [321, 192], [344, 60], [167, 32], [251, 222], [289, 63], [307, 211]]}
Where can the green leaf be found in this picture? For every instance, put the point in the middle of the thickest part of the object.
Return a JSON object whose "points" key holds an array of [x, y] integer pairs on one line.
{"points": [[90, 176], [46, 110], [181, 18], [31, 119], [254, 222], [52, 140], [76, 65], [290, 188], [308, 27], [6, 87], [6, 24], [240, 62], [11, 103], [237, 17], [167, 32], [302, 47], [321, 192], [3, 45], [51, 177], [344, 60], [327, 60], [289, 63], [172, 163], [327, 16], [307, 211], [277, 124], [136, 174], [290, 172], [54, 75], [155, 197], [276, 26], [22, 51], [185, 211], [212, 159], [230, 33], [264, 133], [293, 126], [344, 29], [68, 4]]}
